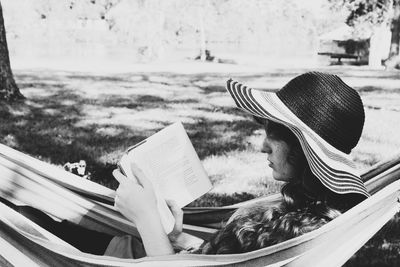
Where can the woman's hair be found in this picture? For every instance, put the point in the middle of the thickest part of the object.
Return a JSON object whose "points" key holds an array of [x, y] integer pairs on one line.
{"points": [[305, 207]]}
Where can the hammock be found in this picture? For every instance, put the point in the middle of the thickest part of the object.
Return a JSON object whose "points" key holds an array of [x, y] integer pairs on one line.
{"points": [[25, 180]]}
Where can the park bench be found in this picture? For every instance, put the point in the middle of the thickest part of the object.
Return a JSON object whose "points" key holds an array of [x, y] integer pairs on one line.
{"points": [[339, 56]]}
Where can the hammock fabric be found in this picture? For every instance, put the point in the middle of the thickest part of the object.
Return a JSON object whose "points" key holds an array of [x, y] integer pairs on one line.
{"points": [[25, 180]]}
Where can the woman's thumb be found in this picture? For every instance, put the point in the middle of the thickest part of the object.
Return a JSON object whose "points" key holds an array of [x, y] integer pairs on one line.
{"points": [[175, 209]]}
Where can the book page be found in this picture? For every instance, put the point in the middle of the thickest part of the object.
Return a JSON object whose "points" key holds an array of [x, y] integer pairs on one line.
{"points": [[170, 162]]}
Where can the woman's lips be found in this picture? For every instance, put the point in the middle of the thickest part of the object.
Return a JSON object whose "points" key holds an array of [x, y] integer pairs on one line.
{"points": [[270, 164]]}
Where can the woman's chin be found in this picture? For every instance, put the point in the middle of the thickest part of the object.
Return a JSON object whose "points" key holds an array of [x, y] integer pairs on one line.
{"points": [[279, 178]]}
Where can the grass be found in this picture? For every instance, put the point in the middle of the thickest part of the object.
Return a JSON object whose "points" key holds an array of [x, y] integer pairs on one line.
{"points": [[70, 116]]}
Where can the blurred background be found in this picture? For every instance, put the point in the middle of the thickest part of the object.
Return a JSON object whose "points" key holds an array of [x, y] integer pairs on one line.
{"points": [[258, 32]]}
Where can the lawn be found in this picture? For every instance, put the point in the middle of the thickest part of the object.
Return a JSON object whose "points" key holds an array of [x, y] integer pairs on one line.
{"points": [[69, 116]]}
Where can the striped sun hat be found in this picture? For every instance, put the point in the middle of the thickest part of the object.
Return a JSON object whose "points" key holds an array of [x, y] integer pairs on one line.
{"points": [[325, 114]]}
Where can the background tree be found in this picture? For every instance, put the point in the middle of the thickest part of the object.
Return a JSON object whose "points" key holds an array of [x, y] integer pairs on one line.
{"points": [[376, 16], [394, 53], [8, 88], [151, 30]]}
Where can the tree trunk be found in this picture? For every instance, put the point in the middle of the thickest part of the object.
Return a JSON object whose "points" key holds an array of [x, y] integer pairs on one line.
{"points": [[373, 58], [8, 88], [394, 54], [378, 45], [395, 42], [203, 45]]}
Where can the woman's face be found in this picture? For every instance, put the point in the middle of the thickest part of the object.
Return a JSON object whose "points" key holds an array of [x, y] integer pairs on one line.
{"points": [[278, 152]]}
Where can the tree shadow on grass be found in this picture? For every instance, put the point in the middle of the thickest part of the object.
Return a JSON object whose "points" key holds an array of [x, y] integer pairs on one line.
{"points": [[48, 125], [139, 103], [220, 137], [46, 128]]}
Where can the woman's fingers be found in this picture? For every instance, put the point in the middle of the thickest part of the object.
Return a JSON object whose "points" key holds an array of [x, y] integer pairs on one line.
{"points": [[118, 176], [175, 209], [173, 206], [117, 198], [178, 215], [130, 196], [141, 177]]}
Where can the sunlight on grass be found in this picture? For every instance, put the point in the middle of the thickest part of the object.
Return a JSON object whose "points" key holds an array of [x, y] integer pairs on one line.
{"points": [[19, 111], [384, 83], [51, 111], [220, 99], [109, 131], [380, 137], [33, 104], [385, 101], [241, 171], [43, 92], [67, 102]]}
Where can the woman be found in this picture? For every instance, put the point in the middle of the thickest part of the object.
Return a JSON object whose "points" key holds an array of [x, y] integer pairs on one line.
{"points": [[311, 126]]}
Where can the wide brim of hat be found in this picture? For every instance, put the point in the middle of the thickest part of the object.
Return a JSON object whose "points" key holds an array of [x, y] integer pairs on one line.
{"points": [[332, 167]]}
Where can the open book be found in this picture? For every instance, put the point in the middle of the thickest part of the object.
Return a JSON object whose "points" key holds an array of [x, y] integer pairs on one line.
{"points": [[170, 162]]}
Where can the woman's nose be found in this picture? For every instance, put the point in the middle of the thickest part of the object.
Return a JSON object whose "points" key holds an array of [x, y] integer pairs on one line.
{"points": [[266, 147]]}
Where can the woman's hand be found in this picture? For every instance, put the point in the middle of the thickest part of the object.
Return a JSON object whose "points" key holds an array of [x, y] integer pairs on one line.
{"points": [[179, 239], [136, 200], [178, 215]]}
